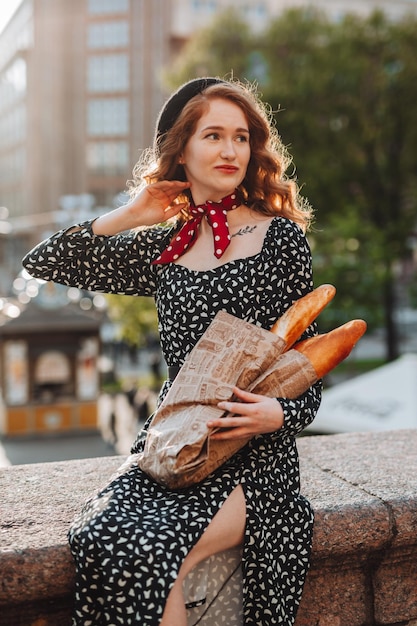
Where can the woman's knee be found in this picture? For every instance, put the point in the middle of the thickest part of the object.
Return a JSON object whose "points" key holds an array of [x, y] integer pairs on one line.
{"points": [[226, 530]]}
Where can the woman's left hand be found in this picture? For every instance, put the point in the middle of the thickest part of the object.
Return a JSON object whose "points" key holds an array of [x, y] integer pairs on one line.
{"points": [[254, 415]]}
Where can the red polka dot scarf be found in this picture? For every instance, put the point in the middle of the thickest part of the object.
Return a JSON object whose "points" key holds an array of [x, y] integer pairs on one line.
{"points": [[216, 215]]}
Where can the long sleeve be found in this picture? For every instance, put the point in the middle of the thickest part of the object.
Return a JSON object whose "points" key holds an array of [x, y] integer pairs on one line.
{"points": [[299, 413], [118, 264], [294, 260]]}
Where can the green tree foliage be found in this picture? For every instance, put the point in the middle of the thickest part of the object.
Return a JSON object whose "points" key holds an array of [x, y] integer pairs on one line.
{"points": [[352, 124], [344, 98], [222, 49], [135, 317]]}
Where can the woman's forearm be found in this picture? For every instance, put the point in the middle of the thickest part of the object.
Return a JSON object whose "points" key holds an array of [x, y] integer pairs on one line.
{"points": [[116, 221], [153, 205]]}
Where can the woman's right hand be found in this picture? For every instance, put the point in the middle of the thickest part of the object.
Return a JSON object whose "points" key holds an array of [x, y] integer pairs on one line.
{"points": [[152, 205]]}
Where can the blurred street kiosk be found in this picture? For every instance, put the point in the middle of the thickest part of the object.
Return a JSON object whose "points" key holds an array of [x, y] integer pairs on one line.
{"points": [[49, 380]]}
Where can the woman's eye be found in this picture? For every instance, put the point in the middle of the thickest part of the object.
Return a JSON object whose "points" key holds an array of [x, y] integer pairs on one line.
{"points": [[242, 138], [212, 136]]}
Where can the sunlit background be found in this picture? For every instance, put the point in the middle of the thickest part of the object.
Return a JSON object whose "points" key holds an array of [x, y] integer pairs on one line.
{"points": [[7, 8], [81, 83]]}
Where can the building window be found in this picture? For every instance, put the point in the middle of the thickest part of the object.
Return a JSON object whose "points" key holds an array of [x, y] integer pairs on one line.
{"points": [[13, 126], [108, 35], [101, 7], [205, 6], [108, 72], [16, 202], [12, 166], [18, 36], [108, 157], [13, 83], [108, 117]]}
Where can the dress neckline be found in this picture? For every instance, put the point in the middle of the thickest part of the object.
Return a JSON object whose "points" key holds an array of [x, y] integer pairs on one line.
{"points": [[234, 261]]}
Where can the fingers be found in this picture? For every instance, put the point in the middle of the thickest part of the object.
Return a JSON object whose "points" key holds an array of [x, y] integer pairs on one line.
{"points": [[246, 396], [256, 414], [250, 405], [173, 209], [155, 202], [231, 428], [167, 188]]}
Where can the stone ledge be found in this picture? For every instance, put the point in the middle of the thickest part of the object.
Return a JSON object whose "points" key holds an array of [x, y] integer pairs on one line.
{"points": [[362, 486]]}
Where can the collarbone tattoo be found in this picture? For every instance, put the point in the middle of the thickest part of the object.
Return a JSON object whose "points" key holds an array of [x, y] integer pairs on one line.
{"points": [[244, 230]]}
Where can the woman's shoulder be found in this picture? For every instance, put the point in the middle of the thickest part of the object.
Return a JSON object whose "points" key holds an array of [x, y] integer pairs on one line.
{"points": [[285, 227], [285, 237]]}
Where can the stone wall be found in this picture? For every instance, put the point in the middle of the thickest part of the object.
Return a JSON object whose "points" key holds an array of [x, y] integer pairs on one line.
{"points": [[363, 488]]}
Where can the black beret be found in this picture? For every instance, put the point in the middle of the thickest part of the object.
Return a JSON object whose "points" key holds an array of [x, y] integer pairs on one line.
{"points": [[175, 104]]}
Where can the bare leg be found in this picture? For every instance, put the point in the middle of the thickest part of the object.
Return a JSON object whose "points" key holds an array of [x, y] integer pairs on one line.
{"points": [[226, 530]]}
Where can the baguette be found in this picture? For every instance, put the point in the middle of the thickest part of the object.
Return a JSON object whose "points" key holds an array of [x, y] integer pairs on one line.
{"points": [[328, 350], [291, 325]]}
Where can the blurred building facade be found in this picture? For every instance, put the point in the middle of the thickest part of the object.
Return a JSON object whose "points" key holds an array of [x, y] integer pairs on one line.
{"points": [[80, 88], [72, 108], [190, 14]]}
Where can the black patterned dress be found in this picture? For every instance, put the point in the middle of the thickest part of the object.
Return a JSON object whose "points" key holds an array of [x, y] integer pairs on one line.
{"points": [[130, 539]]}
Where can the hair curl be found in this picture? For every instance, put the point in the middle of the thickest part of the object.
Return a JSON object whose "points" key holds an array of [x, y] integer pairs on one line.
{"points": [[266, 187]]}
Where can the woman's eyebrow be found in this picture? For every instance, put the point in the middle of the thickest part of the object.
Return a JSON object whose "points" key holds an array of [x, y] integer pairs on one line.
{"points": [[237, 130]]}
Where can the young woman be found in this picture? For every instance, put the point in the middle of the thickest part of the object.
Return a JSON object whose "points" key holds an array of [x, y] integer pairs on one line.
{"points": [[235, 242]]}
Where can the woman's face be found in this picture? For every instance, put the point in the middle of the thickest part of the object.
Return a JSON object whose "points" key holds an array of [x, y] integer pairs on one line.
{"points": [[216, 156]]}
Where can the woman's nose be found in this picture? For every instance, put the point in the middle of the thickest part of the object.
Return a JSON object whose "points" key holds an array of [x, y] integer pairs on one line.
{"points": [[228, 150]]}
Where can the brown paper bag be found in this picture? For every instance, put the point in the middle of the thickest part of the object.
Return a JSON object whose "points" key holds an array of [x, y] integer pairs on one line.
{"points": [[178, 450]]}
